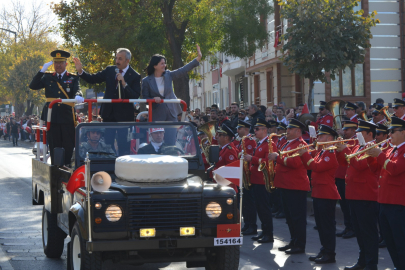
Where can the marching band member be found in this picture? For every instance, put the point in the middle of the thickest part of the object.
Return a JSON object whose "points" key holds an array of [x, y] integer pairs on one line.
{"points": [[362, 195], [382, 134], [261, 195], [349, 132], [391, 192], [378, 117], [189, 148], [248, 208], [324, 193], [291, 178], [350, 111], [326, 117], [281, 129], [273, 129], [399, 108], [228, 153]]}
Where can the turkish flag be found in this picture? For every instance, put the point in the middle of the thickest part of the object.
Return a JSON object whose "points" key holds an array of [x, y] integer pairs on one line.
{"points": [[277, 39], [229, 174], [228, 230], [76, 180], [305, 109]]}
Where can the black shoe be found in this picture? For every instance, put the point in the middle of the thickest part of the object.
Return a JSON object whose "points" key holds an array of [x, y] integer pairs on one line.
{"points": [[285, 247], [245, 227], [250, 231], [260, 236], [349, 234], [295, 250], [382, 244], [266, 239], [357, 266], [313, 258], [340, 234], [280, 215], [326, 259]]}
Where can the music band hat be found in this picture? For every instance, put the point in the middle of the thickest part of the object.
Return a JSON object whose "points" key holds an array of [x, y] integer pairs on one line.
{"points": [[273, 123], [281, 125], [349, 124], [366, 126], [153, 130], [322, 104], [324, 129], [242, 123], [260, 122], [378, 108], [382, 129], [60, 55], [294, 123], [397, 123], [398, 102], [350, 106], [224, 129]]}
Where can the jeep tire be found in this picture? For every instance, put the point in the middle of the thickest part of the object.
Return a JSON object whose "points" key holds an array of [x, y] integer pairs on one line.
{"points": [[53, 238], [223, 258]]}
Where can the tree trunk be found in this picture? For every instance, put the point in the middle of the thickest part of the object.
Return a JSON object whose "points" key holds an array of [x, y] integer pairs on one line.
{"points": [[311, 95], [175, 37], [19, 109], [30, 107]]}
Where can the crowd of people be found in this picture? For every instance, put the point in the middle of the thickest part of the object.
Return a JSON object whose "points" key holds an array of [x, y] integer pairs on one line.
{"points": [[18, 128]]}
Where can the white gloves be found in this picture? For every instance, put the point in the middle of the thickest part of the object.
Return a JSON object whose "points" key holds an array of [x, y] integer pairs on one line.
{"points": [[46, 66], [79, 99]]}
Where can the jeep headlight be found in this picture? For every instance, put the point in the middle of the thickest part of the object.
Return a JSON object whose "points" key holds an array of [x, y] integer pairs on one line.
{"points": [[113, 213], [213, 210]]}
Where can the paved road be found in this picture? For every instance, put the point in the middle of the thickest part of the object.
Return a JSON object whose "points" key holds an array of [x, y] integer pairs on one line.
{"points": [[21, 243]]}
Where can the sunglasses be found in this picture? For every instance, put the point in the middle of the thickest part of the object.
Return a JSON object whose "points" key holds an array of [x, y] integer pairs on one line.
{"points": [[397, 107], [257, 128], [392, 131]]}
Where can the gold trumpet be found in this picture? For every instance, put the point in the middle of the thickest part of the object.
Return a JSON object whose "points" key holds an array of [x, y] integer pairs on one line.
{"points": [[285, 153], [332, 142], [348, 157], [268, 167]]}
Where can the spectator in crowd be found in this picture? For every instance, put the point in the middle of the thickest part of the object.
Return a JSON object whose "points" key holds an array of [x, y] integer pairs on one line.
{"points": [[242, 115], [280, 116], [269, 115], [214, 114], [214, 106], [234, 115], [228, 111], [254, 114], [15, 129], [204, 120], [299, 110], [263, 109], [274, 109], [197, 112], [208, 110], [8, 130], [223, 119], [196, 120]]}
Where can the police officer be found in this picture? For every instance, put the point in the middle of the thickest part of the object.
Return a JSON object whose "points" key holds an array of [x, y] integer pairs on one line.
{"points": [[257, 178], [362, 195], [248, 207], [59, 84], [324, 193], [391, 192], [94, 145]]}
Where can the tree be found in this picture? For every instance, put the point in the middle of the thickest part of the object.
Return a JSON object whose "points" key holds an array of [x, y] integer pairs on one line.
{"points": [[323, 37], [95, 29]]}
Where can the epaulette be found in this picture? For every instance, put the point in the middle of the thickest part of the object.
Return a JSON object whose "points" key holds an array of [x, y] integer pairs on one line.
{"points": [[229, 147]]}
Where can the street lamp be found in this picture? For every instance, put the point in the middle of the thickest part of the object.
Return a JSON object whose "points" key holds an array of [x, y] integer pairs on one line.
{"points": [[15, 34]]}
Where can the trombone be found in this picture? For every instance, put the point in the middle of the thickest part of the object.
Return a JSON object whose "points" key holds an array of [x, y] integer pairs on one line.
{"points": [[333, 142], [348, 157]]}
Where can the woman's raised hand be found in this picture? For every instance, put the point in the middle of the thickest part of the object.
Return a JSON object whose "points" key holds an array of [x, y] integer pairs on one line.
{"points": [[199, 53]]}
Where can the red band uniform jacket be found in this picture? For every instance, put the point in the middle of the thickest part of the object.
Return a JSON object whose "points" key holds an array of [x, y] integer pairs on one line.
{"points": [[189, 148], [392, 178], [342, 169], [326, 120], [361, 176], [260, 154], [323, 166], [291, 172], [250, 145]]}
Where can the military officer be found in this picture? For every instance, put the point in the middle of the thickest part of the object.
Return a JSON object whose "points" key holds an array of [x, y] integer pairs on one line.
{"points": [[94, 146], [350, 111], [325, 119], [292, 179], [399, 108], [59, 84], [257, 178], [249, 212], [391, 192], [324, 193], [362, 195]]}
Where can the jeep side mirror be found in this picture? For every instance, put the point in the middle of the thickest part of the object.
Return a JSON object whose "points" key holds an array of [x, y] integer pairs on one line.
{"points": [[59, 156], [214, 154]]}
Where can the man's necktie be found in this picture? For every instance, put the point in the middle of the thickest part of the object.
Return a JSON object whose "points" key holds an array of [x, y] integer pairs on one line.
{"points": [[59, 77]]}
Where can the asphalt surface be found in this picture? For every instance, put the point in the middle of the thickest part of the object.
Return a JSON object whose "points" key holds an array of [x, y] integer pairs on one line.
{"points": [[21, 242]]}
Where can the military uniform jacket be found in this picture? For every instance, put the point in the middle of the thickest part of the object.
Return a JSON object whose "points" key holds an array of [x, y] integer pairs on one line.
{"points": [[61, 113], [323, 166], [228, 154], [118, 112], [361, 176], [260, 155], [326, 120], [392, 178], [281, 141], [342, 169], [250, 145], [101, 147], [291, 172]]}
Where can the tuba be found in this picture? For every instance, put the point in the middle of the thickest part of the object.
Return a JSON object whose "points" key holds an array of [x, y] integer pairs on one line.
{"points": [[335, 106], [363, 116], [209, 130], [387, 115], [268, 168]]}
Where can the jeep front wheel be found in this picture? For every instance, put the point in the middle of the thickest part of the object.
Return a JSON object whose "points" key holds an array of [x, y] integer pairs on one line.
{"points": [[223, 258], [52, 236]]}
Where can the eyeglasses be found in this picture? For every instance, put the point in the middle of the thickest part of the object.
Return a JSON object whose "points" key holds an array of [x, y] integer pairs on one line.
{"points": [[392, 131]]}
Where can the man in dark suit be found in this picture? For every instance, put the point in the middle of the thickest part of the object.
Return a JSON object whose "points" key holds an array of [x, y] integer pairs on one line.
{"points": [[59, 84], [128, 81]]}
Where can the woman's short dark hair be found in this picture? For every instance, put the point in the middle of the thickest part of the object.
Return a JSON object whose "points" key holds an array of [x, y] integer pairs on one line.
{"points": [[150, 69], [205, 118]]}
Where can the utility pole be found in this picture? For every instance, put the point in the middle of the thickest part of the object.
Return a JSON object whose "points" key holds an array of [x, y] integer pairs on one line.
{"points": [[15, 37]]}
